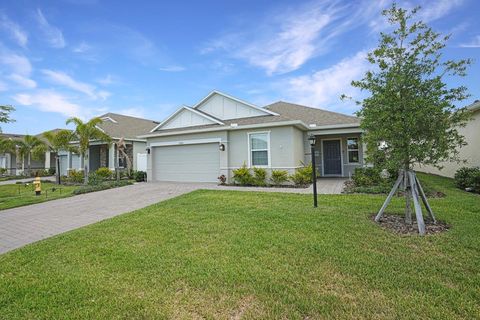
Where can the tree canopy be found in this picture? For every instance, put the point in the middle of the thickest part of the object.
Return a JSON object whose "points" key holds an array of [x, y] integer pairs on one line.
{"points": [[410, 110]]}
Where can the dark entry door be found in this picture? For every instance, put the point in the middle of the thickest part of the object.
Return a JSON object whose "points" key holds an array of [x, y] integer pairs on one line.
{"points": [[332, 157]]}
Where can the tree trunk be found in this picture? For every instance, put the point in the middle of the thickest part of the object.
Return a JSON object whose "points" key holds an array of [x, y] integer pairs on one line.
{"points": [[408, 195], [29, 168], [85, 172]]}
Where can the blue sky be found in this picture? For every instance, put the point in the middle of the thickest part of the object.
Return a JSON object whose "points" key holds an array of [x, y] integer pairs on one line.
{"points": [[145, 58]]}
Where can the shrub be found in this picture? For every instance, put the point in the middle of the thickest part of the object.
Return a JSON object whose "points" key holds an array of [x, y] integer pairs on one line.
{"points": [[259, 177], [242, 176], [302, 176], [222, 179], [367, 177], [468, 178], [94, 179], [75, 176], [102, 186], [3, 171], [140, 176], [104, 173], [51, 171], [279, 177]]}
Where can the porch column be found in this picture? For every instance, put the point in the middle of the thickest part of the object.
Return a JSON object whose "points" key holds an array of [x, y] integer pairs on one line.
{"points": [[69, 161], [111, 156], [47, 160]]}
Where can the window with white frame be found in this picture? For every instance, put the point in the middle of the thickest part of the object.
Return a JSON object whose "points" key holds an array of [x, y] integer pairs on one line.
{"points": [[353, 150], [259, 149]]}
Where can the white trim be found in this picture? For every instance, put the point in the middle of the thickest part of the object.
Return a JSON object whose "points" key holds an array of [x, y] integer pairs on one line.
{"points": [[181, 109], [233, 98], [108, 119], [227, 128], [273, 168], [269, 153], [185, 142], [358, 150], [323, 156]]}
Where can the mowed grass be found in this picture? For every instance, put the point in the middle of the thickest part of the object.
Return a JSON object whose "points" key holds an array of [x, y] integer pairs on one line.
{"points": [[228, 254], [17, 195]]}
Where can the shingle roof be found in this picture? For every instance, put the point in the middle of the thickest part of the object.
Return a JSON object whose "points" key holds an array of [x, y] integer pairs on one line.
{"points": [[286, 112], [126, 126], [311, 115], [474, 106]]}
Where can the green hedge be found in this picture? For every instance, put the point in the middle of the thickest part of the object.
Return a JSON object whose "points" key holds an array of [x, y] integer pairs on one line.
{"points": [[468, 178], [102, 186]]}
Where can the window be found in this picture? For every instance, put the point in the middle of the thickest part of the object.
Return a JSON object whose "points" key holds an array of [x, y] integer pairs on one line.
{"points": [[353, 151], [259, 149]]}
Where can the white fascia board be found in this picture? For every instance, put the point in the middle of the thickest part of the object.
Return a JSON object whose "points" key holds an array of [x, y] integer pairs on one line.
{"points": [[236, 99], [185, 142], [178, 111], [335, 131], [297, 123], [334, 126]]}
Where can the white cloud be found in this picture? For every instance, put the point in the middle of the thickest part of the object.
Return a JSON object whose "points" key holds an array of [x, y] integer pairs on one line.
{"points": [[23, 81], [323, 88], [14, 30], [286, 40], [49, 101], [18, 68], [64, 79], [433, 10], [82, 47], [53, 35], [173, 68], [474, 43], [3, 86], [107, 80]]}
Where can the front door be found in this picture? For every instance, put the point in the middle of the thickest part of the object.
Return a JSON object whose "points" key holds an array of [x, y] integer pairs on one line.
{"points": [[332, 158]]}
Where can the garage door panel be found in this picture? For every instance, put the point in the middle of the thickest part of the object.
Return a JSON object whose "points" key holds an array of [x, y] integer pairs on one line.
{"points": [[186, 163]]}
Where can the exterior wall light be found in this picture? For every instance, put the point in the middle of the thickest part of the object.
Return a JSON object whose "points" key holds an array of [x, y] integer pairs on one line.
{"points": [[221, 147], [148, 150]]}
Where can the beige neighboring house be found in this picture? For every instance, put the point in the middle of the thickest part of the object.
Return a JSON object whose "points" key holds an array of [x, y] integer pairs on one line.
{"points": [[221, 133], [470, 153], [100, 154]]}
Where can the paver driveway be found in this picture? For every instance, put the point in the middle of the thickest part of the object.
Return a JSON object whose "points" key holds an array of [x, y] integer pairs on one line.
{"points": [[24, 225]]}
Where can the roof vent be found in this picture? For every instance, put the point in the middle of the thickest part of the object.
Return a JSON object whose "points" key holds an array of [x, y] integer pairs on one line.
{"points": [[312, 125], [234, 125]]}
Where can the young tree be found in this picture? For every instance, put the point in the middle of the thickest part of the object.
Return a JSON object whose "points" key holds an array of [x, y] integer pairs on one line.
{"points": [[31, 147], [58, 141], [410, 109], [86, 131], [5, 114]]}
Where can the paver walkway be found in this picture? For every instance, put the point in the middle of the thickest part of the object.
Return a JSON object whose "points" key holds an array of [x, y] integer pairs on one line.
{"points": [[24, 225]]}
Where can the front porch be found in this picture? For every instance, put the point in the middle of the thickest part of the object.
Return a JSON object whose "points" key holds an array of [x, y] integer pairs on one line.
{"points": [[337, 155]]}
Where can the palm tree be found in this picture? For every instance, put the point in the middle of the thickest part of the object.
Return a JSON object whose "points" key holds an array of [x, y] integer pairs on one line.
{"points": [[31, 147], [86, 131], [58, 141]]}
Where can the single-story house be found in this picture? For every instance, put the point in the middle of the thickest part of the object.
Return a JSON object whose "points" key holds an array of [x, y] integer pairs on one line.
{"points": [[221, 133], [469, 153], [101, 154], [12, 161]]}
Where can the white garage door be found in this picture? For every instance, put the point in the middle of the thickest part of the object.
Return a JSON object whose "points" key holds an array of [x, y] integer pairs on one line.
{"points": [[186, 163]]}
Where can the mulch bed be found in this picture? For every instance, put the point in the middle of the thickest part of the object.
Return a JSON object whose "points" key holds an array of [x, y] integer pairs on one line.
{"points": [[396, 224]]}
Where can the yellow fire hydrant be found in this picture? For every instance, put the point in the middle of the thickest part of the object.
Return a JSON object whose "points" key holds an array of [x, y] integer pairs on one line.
{"points": [[38, 186]]}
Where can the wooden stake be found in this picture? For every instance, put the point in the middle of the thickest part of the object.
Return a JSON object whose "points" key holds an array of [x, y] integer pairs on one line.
{"points": [[425, 201], [416, 204]]}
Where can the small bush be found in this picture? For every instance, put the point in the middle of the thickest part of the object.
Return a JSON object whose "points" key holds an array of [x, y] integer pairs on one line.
{"points": [[101, 186], [243, 176], [468, 178], [366, 177], [75, 176], [279, 177], [140, 176], [3, 171], [51, 171], [104, 173], [302, 176], [259, 177]]}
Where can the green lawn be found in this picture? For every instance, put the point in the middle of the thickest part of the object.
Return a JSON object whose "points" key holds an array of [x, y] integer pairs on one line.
{"points": [[228, 254], [16, 195]]}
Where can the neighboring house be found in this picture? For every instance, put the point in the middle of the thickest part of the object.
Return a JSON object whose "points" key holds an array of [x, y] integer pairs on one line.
{"points": [[100, 154], [470, 153], [221, 133], [13, 161]]}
